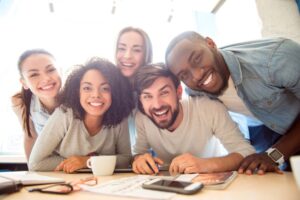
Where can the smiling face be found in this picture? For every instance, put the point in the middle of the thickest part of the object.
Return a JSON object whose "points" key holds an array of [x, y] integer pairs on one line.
{"points": [[199, 65], [95, 94], [130, 53], [40, 76], [161, 103]]}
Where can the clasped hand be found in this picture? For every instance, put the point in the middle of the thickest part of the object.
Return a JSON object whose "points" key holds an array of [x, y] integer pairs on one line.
{"points": [[259, 163], [185, 163], [72, 164], [146, 164], [188, 164]]}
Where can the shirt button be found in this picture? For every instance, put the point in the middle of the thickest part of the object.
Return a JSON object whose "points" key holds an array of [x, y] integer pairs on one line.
{"points": [[272, 125]]}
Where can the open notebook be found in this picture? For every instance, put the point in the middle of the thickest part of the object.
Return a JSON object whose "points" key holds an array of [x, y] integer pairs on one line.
{"points": [[28, 178], [13, 181]]}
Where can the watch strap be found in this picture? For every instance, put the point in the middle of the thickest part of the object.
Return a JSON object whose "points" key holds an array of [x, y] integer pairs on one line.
{"points": [[279, 158]]}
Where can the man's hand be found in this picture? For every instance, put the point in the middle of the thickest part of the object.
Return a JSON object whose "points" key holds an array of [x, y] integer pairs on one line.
{"points": [[73, 163], [259, 163], [146, 164], [187, 164]]}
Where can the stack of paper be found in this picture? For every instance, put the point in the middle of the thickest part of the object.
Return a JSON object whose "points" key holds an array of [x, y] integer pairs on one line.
{"points": [[129, 187]]}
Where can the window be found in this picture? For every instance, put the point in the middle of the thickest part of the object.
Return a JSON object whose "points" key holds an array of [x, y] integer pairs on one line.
{"points": [[76, 30]]}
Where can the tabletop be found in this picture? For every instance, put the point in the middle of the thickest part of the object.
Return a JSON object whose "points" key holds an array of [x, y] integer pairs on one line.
{"points": [[270, 186]]}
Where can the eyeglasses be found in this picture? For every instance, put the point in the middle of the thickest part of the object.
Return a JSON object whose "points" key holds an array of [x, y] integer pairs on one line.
{"points": [[66, 188]]}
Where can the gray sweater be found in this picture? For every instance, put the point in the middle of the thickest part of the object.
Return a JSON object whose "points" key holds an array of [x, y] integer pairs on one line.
{"points": [[204, 121], [64, 136]]}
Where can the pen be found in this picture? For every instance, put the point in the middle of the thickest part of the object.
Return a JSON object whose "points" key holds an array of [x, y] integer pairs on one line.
{"points": [[153, 154], [152, 168]]}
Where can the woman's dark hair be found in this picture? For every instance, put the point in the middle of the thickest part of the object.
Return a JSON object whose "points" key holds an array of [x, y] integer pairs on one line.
{"points": [[146, 76], [25, 95], [122, 97], [146, 41]]}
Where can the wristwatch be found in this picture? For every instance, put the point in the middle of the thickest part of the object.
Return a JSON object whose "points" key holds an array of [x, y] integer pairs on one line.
{"points": [[275, 155]]}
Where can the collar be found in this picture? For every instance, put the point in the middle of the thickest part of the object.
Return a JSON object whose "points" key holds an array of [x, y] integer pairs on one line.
{"points": [[36, 105], [233, 65]]}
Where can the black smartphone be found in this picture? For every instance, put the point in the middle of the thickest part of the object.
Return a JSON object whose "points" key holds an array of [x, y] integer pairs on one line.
{"points": [[173, 186]]}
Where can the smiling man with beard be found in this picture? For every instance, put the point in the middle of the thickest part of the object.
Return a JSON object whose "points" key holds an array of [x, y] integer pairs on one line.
{"points": [[259, 79], [181, 132]]}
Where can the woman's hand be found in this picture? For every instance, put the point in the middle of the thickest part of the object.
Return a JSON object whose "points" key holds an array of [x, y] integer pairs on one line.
{"points": [[72, 163]]}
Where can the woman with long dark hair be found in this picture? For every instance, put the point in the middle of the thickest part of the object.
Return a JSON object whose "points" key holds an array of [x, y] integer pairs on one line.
{"points": [[37, 99]]}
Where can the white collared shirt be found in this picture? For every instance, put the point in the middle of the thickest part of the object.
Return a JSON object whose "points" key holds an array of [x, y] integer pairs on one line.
{"points": [[39, 115]]}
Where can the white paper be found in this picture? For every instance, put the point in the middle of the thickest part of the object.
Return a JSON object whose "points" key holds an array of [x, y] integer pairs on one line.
{"points": [[129, 187], [186, 177]]}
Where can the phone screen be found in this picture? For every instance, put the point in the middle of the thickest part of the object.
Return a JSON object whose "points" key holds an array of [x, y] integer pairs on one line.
{"points": [[168, 183]]}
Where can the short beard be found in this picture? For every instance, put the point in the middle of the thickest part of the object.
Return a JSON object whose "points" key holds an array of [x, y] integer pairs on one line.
{"points": [[224, 85], [171, 122]]}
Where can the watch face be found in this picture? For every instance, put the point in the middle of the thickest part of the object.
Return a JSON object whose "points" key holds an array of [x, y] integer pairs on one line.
{"points": [[275, 155]]}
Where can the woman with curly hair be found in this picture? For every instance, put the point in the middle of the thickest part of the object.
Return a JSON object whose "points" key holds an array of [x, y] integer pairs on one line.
{"points": [[91, 120]]}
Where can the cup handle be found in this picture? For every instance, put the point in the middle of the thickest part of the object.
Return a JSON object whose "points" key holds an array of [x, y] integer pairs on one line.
{"points": [[88, 163]]}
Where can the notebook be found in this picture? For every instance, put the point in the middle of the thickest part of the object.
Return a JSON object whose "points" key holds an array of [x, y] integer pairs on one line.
{"points": [[28, 178], [216, 180], [13, 181]]}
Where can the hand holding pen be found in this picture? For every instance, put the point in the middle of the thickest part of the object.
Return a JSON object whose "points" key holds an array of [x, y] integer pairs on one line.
{"points": [[146, 164]]}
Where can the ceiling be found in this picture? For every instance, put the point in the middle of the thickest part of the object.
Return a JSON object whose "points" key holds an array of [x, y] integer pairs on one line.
{"points": [[104, 8]]}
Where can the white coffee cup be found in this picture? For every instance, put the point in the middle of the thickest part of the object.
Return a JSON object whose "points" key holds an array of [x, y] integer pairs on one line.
{"points": [[295, 163], [102, 165]]}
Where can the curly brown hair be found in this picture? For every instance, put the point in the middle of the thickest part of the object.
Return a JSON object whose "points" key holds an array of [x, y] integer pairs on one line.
{"points": [[122, 96]]}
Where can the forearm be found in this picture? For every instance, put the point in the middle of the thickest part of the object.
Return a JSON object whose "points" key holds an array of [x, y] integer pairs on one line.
{"points": [[123, 153], [45, 164], [230, 162], [289, 144], [43, 156]]}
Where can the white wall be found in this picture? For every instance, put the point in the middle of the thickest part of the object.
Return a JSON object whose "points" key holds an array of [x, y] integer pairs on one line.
{"points": [[279, 18], [237, 21]]}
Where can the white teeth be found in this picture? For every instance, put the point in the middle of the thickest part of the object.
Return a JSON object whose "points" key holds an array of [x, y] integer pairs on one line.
{"points": [[207, 81], [96, 104], [47, 87], [128, 64], [161, 113]]}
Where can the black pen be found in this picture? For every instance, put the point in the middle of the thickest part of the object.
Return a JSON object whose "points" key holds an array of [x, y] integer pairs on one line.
{"points": [[152, 168]]}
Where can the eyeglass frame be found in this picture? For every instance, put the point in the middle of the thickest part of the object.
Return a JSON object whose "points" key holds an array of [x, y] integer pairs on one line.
{"points": [[69, 185]]}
